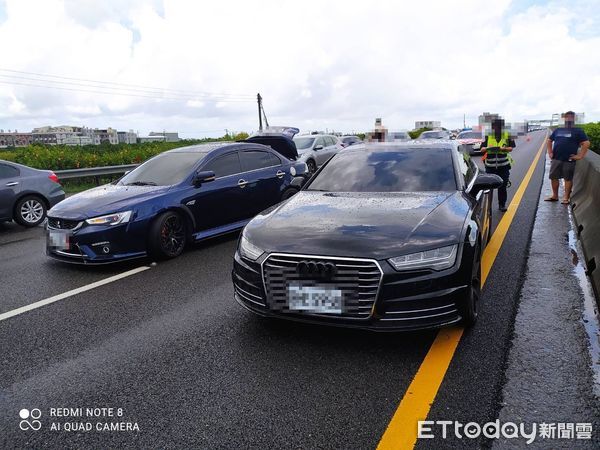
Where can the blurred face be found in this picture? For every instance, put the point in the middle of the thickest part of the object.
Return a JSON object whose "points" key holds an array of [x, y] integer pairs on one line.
{"points": [[569, 119]]}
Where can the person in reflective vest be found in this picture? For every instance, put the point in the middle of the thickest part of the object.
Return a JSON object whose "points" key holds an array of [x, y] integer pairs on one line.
{"points": [[497, 147]]}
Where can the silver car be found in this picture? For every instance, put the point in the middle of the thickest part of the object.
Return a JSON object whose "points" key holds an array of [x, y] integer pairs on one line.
{"points": [[26, 193], [316, 149]]}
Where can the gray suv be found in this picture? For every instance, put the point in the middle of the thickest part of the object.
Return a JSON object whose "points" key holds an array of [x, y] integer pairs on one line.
{"points": [[316, 149], [26, 194]]}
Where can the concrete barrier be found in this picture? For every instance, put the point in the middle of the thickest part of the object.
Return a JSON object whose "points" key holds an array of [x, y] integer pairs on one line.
{"points": [[585, 201]]}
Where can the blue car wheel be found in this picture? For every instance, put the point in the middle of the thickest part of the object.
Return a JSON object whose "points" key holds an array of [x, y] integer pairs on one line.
{"points": [[167, 236]]}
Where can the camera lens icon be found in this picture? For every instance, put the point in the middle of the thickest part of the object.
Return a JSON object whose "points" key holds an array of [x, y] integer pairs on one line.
{"points": [[33, 424]]}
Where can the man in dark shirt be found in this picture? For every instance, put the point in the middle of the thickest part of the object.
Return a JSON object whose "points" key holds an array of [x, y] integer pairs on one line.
{"points": [[563, 154]]}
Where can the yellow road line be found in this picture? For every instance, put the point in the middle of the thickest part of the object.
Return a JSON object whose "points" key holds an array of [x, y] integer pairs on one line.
{"points": [[401, 432]]}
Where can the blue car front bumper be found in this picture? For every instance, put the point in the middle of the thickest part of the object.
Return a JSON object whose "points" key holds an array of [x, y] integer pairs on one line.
{"points": [[76, 242]]}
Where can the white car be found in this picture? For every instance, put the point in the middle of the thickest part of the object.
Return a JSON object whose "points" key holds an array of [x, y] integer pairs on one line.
{"points": [[316, 149]]}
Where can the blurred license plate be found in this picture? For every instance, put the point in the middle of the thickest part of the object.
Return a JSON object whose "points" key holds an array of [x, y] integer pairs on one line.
{"points": [[322, 299], [58, 239]]}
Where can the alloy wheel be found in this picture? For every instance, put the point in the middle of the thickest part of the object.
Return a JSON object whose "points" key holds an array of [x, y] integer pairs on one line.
{"points": [[172, 235], [32, 211]]}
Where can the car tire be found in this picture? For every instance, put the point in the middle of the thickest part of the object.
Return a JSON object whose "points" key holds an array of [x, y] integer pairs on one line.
{"points": [[168, 236], [312, 167], [287, 193], [468, 307], [30, 211]]}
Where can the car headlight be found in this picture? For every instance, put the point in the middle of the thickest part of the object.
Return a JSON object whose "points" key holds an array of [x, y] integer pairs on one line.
{"points": [[249, 250], [436, 259], [476, 145], [110, 219]]}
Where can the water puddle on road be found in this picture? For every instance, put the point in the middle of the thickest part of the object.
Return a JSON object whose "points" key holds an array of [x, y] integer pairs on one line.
{"points": [[590, 316]]}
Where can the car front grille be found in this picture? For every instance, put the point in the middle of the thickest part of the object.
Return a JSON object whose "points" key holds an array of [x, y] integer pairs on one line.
{"points": [[358, 279], [62, 224]]}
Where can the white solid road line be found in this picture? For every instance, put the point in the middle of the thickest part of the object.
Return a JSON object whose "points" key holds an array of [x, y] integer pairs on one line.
{"points": [[79, 290]]}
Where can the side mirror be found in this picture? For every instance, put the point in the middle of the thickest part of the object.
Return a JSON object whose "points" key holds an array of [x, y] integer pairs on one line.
{"points": [[485, 181], [318, 147], [203, 176]]}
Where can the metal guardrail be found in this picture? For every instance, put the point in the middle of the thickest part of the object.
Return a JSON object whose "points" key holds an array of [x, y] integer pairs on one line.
{"points": [[94, 171]]}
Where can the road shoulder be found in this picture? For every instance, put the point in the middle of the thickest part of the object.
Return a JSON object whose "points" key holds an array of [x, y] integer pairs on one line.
{"points": [[549, 377]]}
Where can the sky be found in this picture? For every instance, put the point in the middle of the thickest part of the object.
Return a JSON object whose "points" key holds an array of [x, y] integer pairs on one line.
{"points": [[196, 66]]}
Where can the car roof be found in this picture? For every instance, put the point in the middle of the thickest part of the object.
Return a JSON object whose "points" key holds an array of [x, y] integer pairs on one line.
{"points": [[408, 145], [203, 148]]}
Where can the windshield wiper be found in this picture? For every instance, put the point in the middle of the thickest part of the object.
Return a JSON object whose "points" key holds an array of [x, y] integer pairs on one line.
{"points": [[141, 183]]}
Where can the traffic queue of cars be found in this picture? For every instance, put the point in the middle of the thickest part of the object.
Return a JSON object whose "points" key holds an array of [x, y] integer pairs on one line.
{"points": [[375, 235]]}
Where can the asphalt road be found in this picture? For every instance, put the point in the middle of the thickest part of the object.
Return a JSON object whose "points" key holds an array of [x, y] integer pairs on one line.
{"points": [[170, 347]]}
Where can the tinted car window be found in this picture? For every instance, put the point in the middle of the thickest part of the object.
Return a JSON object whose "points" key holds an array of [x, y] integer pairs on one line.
{"points": [[164, 170], [304, 143], [7, 171], [320, 141], [467, 167], [469, 135], [329, 140], [222, 166], [252, 160], [398, 170]]}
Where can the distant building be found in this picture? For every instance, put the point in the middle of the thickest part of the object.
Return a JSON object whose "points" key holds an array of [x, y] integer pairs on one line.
{"points": [[14, 139], [427, 124], [165, 135], [127, 137], [108, 135]]}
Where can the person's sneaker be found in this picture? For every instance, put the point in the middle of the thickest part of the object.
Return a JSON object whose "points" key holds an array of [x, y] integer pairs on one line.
{"points": [[502, 208]]}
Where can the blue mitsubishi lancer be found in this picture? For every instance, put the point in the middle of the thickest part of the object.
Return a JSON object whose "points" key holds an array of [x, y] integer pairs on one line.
{"points": [[180, 196]]}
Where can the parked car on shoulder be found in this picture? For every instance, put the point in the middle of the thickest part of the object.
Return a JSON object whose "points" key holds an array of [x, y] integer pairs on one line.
{"points": [[347, 141], [178, 197], [315, 150], [434, 134], [27, 193], [398, 136], [386, 236], [471, 141]]}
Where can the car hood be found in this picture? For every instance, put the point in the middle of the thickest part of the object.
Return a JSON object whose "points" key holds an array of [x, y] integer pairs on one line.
{"points": [[104, 200], [373, 225]]}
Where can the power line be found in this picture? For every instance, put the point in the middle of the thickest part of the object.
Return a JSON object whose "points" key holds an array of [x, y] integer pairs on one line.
{"points": [[126, 85], [126, 94]]}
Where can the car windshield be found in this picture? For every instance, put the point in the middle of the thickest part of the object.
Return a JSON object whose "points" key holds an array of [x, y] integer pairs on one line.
{"points": [[163, 170], [399, 135], [393, 170], [304, 143], [432, 135], [469, 135]]}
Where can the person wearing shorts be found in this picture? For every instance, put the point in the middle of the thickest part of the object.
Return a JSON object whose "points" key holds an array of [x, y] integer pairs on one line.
{"points": [[563, 150]]}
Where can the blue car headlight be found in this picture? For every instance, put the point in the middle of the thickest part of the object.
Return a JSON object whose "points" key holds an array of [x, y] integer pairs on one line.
{"points": [[110, 219], [436, 259], [248, 250]]}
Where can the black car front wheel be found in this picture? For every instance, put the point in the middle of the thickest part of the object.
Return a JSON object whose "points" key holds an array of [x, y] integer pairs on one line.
{"points": [[469, 305], [30, 211], [312, 166], [288, 193], [167, 236]]}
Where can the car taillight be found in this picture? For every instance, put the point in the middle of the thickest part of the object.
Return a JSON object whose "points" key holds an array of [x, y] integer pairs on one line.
{"points": [[53, 177]]}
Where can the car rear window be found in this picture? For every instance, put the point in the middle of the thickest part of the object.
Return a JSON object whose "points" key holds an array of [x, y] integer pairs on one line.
{"points": [[469, 135], [398, 170], [164, 170]]}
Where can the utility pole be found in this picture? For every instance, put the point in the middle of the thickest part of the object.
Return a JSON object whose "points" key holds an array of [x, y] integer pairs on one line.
{"points": [[464, 121], [259, 99]]}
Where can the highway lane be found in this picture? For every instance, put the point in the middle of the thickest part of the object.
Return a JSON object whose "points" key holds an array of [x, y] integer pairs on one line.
{"points": [[171, 348]]}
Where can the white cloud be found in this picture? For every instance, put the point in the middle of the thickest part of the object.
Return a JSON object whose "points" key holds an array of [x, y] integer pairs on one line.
{"points": [[317, 64]]}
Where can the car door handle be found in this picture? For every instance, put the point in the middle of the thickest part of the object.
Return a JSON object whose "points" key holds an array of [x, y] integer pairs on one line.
{"points": [[242, 183], [12, 183], [280, 174]]}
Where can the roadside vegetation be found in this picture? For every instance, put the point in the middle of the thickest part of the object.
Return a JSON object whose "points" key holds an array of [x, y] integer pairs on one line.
{"points": [[593, 132], [62, 157]]}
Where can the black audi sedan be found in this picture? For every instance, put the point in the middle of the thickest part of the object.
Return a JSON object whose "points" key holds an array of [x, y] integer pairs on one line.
{"points": [[385, 236]]}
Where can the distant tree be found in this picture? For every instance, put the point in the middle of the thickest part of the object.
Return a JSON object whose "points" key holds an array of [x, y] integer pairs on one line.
{"points": [[241, 136]]}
